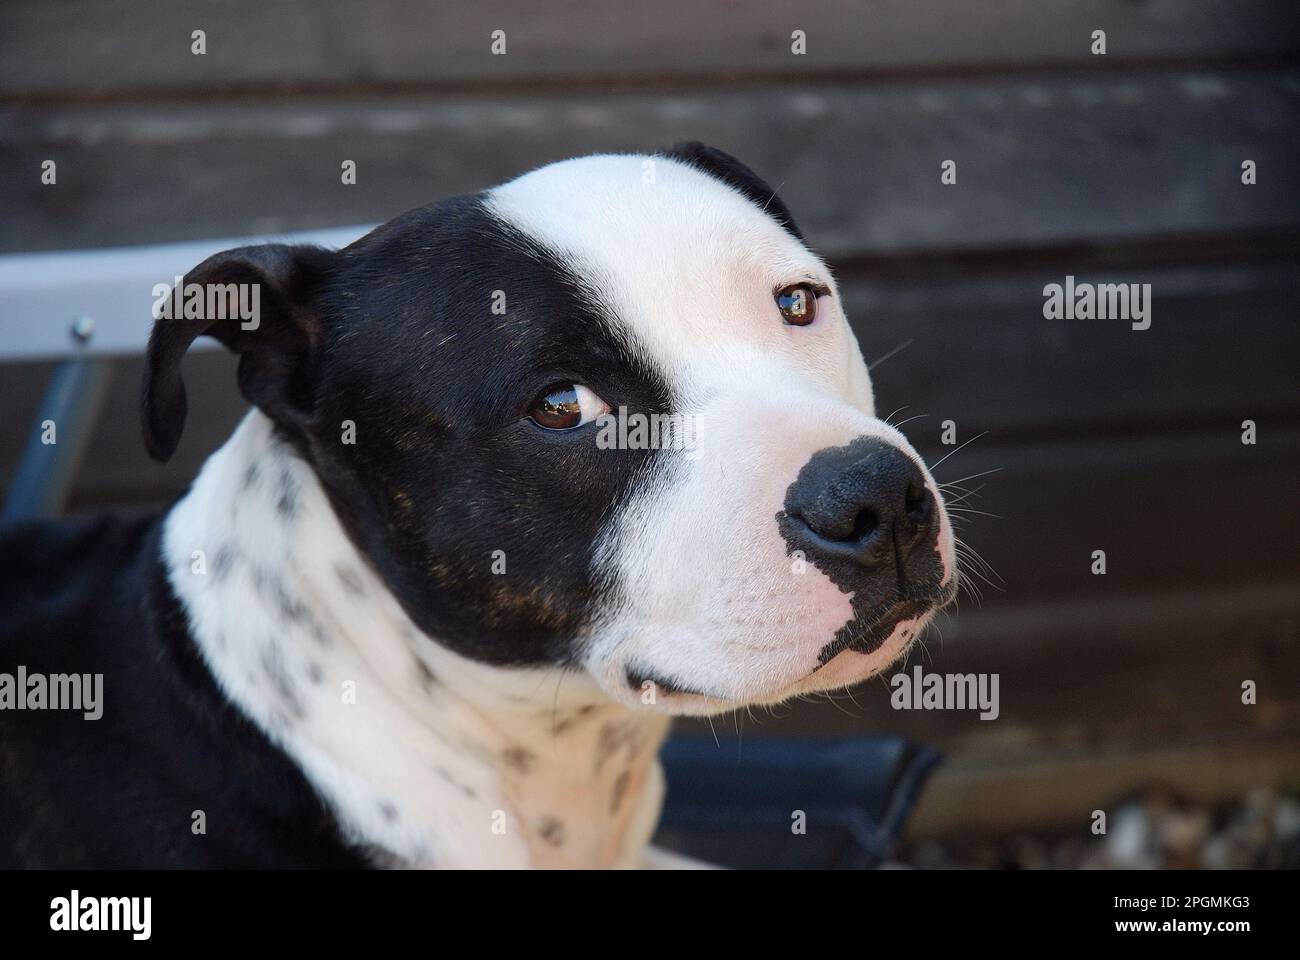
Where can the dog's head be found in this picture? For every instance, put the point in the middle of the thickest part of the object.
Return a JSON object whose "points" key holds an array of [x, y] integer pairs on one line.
{"points": [[609, 416]]}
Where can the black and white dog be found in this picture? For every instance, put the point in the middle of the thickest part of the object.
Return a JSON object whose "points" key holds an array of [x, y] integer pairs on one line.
{"points": [[435, 601]]}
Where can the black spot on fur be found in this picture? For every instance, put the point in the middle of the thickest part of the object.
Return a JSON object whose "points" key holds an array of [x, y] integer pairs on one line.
{"points": [[614, 737], [277, 672], [286, 498], [619, 792], [252, 474], [350, 579], [551, 830], [223, 561], [564, 723], [270, 587], [428, 679], [388, 811], [467, 790], [519, 759]]}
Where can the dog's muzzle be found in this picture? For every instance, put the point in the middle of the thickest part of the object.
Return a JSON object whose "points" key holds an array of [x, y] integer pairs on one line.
{"points": [[864, 516]]}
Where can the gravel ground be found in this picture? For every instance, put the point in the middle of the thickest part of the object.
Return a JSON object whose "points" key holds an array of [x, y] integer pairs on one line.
{"points": [[1153, 830]]}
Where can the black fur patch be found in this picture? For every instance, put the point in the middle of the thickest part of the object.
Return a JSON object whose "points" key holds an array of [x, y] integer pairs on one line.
{"points": [[93, 597], [448, 468]]}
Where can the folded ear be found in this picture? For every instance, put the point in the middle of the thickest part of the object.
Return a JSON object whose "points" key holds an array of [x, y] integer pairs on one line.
{"points": [[259, 302], [731, 171]]}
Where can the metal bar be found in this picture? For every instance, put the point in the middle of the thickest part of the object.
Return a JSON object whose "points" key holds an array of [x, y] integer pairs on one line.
{"points": [[41, 293], [68, 415]]}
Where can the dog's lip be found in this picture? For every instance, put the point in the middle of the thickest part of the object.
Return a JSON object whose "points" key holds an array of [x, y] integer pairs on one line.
{"points": [[908, 608], [637, 676], [883, 626]]}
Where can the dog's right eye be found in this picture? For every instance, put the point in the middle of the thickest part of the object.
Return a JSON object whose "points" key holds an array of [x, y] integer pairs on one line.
{"points": [[565, 406]]}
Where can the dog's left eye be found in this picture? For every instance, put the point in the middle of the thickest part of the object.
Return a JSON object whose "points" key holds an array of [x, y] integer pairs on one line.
{"points": [[798, 303], [565, 406]]}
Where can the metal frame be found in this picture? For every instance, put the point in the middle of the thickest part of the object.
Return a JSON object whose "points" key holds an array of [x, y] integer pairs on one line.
{"points": [[83, 308]]}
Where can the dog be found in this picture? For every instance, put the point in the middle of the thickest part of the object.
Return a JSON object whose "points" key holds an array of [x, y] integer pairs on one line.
{"points": [[423, 609]]}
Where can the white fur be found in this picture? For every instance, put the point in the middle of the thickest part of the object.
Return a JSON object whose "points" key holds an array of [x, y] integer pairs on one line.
{"points": [[689, 265]]}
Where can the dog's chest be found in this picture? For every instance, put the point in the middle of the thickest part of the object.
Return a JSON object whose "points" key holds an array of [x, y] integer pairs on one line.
{"points": [[425, 758]]}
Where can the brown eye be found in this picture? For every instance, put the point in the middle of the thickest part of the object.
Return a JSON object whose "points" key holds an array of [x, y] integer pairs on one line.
{"points": [[565, 406], [798, 304]]}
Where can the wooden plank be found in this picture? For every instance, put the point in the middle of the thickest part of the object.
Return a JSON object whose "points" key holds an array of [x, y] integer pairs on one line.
{"points": [[1154, 502], [974, 797], [1083, 160], [1223, 346], [104, 47]]}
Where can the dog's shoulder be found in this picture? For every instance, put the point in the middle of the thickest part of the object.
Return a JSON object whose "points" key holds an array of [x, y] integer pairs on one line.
{"points": [[153, 766], [55, 575]]}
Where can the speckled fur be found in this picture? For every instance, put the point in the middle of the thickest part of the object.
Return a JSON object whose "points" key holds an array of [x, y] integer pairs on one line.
{"points": [[426, 758]]}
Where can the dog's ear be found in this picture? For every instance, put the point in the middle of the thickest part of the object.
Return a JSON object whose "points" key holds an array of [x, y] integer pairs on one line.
{"points": [[731, 171], [259, 302]]}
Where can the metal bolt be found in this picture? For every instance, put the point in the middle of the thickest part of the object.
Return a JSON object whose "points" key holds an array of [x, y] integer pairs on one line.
{"points": [[82, 328]]}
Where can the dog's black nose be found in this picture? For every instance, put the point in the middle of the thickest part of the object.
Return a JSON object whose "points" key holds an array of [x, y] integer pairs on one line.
{"points": [[866, 503]]}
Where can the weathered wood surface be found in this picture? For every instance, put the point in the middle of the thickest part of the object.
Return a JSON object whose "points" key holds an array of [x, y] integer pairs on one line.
{"points": [[88, 48], [1083, 159]]}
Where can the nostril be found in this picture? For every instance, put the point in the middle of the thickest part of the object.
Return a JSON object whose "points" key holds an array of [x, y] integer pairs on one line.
{"points": [[864, 525], [916, 503]]}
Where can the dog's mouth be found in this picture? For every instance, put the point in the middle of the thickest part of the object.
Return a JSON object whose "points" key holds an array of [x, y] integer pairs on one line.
{"points": [[863, 635], [868, 634], [641, 679]]}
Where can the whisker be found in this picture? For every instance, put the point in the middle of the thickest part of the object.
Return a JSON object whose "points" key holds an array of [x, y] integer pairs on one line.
{"points": [[935, 466], [973, 476], [892, 353], [894, 414], [965, 496], [982, 513], [899, 425], [978, 566]]}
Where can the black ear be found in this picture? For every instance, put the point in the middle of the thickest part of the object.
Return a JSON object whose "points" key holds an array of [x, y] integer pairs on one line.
{"points": [[730, 170], [258, 301]]}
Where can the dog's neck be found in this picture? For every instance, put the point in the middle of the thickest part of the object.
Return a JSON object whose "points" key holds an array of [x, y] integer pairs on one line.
{"points": [[427, 757]]}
